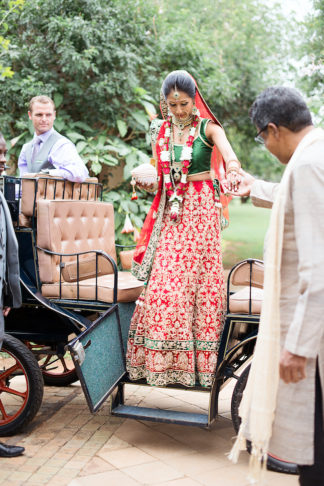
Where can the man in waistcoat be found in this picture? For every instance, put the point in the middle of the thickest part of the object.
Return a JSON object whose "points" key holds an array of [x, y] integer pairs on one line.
{"points": [[10, 295], [49, 152]]}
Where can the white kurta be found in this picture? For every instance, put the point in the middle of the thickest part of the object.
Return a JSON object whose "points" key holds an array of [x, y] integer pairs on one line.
{"points": [[301, 301]]}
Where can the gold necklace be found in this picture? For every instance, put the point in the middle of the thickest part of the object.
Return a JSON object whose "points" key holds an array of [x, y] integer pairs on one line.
{"points": [[181, 124]]}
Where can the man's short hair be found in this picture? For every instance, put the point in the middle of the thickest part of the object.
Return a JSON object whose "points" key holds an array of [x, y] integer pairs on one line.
{"points": [[40, 99], [282, 106]]}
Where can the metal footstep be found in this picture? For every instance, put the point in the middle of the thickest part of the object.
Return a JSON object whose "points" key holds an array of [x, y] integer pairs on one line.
{"points": [[157, 415]]}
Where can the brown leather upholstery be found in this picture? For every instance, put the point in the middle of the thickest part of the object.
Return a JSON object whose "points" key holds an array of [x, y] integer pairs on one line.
{"points": [[239, 301], [129, 289], [77, 226], [241, 275], [25, 221], [70, 227], [49, 188], [126, 258]]}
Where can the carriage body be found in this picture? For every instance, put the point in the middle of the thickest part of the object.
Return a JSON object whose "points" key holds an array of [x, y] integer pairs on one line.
{"points": [[67, 255], [77, 307]]}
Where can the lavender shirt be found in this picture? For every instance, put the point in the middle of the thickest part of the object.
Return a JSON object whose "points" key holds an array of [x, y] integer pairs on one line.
{"points": [[63, 156]]}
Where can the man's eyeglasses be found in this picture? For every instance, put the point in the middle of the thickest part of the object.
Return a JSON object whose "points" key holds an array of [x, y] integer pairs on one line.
{"points": [[258, 137]]}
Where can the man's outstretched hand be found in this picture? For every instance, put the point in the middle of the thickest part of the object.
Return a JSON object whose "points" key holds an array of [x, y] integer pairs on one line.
{"points": [[244, 187]]}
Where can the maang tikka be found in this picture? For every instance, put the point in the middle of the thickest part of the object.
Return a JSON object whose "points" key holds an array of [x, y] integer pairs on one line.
{"points": [[176, 93]]}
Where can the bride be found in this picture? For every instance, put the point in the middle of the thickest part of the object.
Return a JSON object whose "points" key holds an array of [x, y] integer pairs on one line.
{"points": [[178, 320]]}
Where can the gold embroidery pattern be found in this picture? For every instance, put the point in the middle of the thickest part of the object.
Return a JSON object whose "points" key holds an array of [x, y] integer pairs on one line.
{"points": [[175, 333], [142, 271]]}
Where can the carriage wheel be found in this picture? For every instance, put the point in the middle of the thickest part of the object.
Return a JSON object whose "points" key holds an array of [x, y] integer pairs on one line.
{"points": [[274, 463], [57, 369], [21, 386]]}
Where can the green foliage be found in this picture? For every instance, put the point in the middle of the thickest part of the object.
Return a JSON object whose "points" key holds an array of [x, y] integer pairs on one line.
{"points": [[234, 50], [103, 64], [244, 238], [14, 6], [312, 56], [123, 206], [88, 53]]}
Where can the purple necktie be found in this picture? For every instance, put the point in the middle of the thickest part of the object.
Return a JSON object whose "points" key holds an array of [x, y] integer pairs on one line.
{"points": [[36, 148]]}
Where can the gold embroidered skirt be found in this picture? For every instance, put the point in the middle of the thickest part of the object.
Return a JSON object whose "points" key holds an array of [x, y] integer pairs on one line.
{"points": [[175, 330]]}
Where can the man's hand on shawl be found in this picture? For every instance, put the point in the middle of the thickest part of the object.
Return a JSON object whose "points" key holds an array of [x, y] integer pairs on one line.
{"points": [[292, 367], [244, 186]]}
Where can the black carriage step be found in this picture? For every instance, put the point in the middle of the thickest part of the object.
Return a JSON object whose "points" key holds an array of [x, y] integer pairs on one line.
{"points": [[157, 415]]}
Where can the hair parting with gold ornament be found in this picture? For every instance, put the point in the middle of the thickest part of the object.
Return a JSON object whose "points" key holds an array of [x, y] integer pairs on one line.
{"points": [[175, 92]]}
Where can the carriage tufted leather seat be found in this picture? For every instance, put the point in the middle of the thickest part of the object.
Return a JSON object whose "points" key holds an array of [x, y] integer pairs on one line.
{"points": [[244, 276], [77, 226], [52, 187], [239, 302]]}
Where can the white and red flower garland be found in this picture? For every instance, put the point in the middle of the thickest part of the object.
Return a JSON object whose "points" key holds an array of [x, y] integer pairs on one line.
{"points": [[175, 194]]}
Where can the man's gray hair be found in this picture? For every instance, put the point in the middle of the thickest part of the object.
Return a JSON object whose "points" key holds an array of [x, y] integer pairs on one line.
{"points": [[282, 106]]}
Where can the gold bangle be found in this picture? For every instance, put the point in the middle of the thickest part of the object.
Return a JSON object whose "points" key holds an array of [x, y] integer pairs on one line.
{"points": [[232, 170], [238, 163]]}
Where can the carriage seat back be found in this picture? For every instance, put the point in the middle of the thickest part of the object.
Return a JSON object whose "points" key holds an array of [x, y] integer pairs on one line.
{"points": [[77, 226], [70, 227], [36, 187], [247, 280]]}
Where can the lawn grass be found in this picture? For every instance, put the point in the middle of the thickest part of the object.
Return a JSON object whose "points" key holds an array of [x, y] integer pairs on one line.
{"points": [[245, 235]]}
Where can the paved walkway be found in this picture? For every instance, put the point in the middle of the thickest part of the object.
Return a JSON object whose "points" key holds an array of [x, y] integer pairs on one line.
{"points": [[66, 445]]}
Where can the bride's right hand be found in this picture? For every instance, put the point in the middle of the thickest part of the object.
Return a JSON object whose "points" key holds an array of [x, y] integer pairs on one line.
{"points": [[147, 187]]}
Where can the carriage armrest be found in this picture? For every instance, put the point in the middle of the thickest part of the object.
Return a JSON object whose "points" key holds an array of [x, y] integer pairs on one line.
{"points": [[98, 253], [79, 266]]}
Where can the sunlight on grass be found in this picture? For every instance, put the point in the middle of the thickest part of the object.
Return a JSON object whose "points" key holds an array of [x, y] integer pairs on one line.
{"points": [[245, 235]]}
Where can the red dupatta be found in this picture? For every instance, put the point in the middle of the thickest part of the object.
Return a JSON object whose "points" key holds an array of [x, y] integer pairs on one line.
{"points": [[217, 166]]}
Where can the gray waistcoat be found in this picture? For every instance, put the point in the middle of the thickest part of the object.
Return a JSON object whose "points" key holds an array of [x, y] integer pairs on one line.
{"points": [[41, 161]]}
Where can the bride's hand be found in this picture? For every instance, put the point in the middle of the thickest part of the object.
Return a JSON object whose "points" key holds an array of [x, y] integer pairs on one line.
{"points": [[147, 187], [244, 188], [233, 181]]}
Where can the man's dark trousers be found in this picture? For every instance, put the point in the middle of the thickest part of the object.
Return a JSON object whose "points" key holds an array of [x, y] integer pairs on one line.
{"points": [[314, 475]]}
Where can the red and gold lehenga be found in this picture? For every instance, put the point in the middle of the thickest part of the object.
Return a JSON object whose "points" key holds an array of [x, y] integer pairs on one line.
{"points": [[177, 324]]}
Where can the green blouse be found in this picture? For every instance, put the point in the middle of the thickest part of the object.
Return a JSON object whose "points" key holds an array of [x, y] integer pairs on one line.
{"points": [[201, 151]]}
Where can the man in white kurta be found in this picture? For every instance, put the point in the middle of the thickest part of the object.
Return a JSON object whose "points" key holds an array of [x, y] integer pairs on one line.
{"points": [[284, 124]]}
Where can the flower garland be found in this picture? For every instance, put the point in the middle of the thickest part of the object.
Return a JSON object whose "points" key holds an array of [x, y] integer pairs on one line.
{"points": [[176, 193]]}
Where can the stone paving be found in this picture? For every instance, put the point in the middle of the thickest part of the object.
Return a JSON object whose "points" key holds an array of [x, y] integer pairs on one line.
{"points": [[66, 445]]}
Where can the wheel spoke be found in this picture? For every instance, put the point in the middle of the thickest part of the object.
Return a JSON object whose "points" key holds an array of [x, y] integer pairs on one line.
{"points": [[49, 363], [65, 368], [2, 410], [48, 357], [6, 373], [5, 389]]}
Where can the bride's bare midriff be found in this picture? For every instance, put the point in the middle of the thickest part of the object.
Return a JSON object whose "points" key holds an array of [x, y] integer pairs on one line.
{"points": [[201, 176]]}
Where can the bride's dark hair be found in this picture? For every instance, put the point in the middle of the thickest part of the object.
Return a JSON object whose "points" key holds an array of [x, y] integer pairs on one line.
{"points": [[180, 80]]}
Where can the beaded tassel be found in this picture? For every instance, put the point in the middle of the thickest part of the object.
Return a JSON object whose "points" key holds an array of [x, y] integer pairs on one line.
{"points": [[134, 195]]}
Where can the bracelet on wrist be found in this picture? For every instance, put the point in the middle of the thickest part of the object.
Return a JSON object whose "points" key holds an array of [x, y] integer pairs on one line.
{"points": [[237, 163], [232, 169]]}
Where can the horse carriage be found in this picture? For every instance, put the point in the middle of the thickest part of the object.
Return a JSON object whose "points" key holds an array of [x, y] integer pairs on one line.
{"points": [[78, 299]]}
